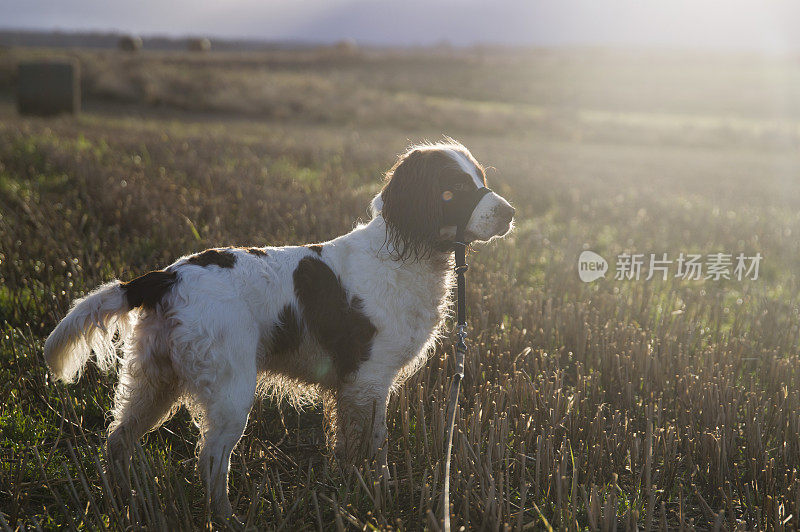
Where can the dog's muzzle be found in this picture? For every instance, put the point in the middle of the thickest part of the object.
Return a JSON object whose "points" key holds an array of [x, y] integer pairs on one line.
{"points": [[458, 208]]}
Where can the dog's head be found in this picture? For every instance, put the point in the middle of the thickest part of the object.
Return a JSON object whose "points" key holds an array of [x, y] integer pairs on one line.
{"points": [[431, 190]]}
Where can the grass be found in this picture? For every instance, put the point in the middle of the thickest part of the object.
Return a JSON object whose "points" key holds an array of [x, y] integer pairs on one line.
{"points": [[657, 404]]}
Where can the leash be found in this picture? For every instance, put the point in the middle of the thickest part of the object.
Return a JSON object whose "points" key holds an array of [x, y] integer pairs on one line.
{"points": [[457, 211], [461, 351]]}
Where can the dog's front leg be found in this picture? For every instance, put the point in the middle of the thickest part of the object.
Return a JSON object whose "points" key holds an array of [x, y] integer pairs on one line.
{"points": [[360, 422]]}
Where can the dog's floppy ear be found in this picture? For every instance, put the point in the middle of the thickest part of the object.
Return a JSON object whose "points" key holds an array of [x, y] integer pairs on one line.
{"points": [[412, 207]]}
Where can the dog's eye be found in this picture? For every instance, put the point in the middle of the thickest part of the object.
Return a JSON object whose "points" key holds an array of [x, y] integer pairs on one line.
{"points": [[447, 195]]}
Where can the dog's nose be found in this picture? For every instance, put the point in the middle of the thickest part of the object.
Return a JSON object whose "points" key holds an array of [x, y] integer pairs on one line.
{"points": [[506, 213]]}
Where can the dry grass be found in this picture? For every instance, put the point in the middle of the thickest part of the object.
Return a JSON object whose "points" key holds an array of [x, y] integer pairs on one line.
{"points": [[616, 404]]}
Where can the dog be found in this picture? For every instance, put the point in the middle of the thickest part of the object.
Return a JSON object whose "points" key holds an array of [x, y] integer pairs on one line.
{"points": [[344, 320]]}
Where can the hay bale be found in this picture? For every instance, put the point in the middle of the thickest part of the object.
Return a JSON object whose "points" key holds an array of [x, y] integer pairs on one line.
{"points": [[199, 45], [48, 87], [347, 46], [130, 43]]}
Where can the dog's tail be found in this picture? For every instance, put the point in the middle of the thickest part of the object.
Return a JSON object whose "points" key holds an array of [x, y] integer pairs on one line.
{"points": [[100, 322], [91, 325]]}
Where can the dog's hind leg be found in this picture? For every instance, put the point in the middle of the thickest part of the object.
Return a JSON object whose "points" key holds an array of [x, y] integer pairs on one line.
{"points": [[146, 393], [142, 402], [225, 402]]}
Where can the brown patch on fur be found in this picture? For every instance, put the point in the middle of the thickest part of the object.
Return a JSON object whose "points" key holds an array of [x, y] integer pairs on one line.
{"points": [[316, 248], [218, 257], [256, 251], [337, 323], [286, 335], [481, 171], [147, 290]]}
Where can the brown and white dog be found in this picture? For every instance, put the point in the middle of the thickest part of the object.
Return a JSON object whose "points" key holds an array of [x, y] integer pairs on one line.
{"points": [[343, 320]]}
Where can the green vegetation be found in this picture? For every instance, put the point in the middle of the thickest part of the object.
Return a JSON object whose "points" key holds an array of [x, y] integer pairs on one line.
{"points": [[650, 403]]}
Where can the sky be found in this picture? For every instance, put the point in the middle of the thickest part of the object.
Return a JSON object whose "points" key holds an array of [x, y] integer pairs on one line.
{"points": [[753, 25]]}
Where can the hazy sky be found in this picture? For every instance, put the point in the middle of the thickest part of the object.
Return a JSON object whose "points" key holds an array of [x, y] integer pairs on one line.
{"points": [[717, 24]]}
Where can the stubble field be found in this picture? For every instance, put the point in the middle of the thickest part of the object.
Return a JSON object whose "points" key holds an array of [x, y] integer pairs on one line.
{"points": [[649, 403]]}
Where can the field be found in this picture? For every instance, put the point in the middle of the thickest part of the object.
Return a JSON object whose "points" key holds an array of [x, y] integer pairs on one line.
{"points": [[619, 403]]}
